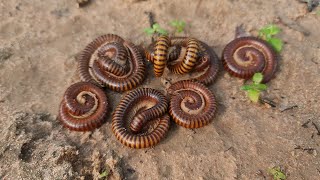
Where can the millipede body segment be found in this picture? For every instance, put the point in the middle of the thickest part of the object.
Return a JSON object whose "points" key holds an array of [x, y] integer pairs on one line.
{"points": [[192, 105], [84, 107], [140, 119], [245, 56], [113, 62]]}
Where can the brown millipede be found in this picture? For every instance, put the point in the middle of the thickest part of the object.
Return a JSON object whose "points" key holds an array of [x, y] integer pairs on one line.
{"points": [[160, 55], [186, 61], [207, 62], [125, 69], [84, 107], [245, 56], [140, 119], [192, 105]]}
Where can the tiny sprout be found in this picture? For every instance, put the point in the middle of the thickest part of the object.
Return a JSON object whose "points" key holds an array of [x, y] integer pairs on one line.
{"points": [[267, 32], [104, 174], [156, 29], [254, 89], [277, 173], [178, 25]]}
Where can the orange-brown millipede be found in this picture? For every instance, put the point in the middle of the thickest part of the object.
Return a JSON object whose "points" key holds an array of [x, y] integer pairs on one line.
{"points": [[208, 62], [160, 55], [140, 119], [113, 62], [84, 107], [245, 56], [192, 105], [186, 61]]}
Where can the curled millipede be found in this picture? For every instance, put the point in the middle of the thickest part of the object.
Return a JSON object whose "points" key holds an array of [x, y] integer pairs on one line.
{"points": [[192, 105], [245, 56], [160, 55], [208, 63], [186, 61], [112, 62], [140, 119], [84, 107]]}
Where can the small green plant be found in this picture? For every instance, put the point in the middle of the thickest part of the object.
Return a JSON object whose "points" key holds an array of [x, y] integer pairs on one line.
{"points": [[156, 29], [254, 89], [178, 25], [277, 173], [267, 34], [318, 12], [104, 174]]}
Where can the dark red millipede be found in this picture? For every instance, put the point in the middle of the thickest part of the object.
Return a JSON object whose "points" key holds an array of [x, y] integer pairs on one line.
{"points": [[192, 105], [140, 119], [113, 48], [213, 65], [245, 56], [84, 107]]}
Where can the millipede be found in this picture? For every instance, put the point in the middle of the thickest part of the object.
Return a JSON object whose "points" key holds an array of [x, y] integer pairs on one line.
{"points": [[208, 63], [113, 62], [160, 55], [245, 56], [192, 105], [84, 107], [140, 119], [186, 61]]}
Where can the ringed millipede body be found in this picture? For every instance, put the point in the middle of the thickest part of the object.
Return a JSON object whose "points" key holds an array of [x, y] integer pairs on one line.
{"points": [[187, 61], [183, 55], [192, 105], [245, 56], [113, 62], [84, 107], [140, 119]]}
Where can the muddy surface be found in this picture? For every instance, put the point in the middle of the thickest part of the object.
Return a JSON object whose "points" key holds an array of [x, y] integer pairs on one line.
{"points": [[38, 44]]}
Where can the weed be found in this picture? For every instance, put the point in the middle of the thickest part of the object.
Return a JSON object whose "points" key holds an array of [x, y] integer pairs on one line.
{"points": [[267, 34], [178, 25], [277, 173], [254, 89], [104, 174], [156, 29]]}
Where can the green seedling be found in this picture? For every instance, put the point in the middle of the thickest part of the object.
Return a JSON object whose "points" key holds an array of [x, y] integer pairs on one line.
{"points": [[156, 29], [267, 34], [104, 174], [178, 25], [277, 173], [254, 89]]}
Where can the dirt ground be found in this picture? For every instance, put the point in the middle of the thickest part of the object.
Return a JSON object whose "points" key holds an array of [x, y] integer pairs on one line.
{"points": [[38, 44]]}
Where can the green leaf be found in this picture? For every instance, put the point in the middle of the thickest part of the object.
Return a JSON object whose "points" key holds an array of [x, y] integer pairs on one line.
{"points": [[257, 78], [276, 43], [104, 174], [246, 87], [174, 23], [277, 173], [270, 30], [162, 31], [260, 87], [253, 95], [156, 26], [149, 31], [179, 25]]}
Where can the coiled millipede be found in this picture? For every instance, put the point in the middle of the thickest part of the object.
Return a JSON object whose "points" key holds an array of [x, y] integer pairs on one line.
{"points": [[84, 107], [207, 64], [112, 62], [183, 55], [245, 56], [192, 105], [140, 119]]}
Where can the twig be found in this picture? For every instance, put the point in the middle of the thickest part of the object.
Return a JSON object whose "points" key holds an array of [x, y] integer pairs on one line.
{"points": [[305, 125], [317, 128], [288, 108]]}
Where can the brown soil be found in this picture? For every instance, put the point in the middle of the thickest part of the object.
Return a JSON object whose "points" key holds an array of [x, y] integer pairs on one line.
{"points": [[40, 39]]}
